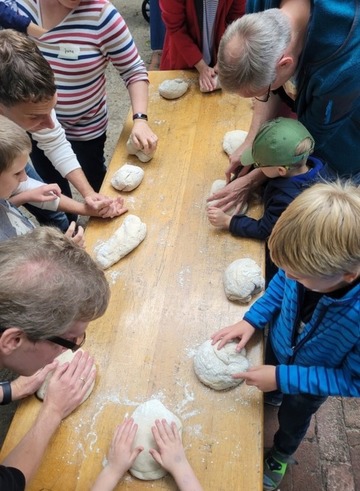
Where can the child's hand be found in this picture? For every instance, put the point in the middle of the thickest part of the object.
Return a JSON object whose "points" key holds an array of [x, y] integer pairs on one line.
{"points": [[218, 218], [171, 452], [76, 235], [241, 329], [114, 209], [121, 456], [263, 377]]}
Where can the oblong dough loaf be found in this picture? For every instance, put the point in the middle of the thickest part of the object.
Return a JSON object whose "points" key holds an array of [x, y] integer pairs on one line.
{"points": [[173, 89], [127, 178]]}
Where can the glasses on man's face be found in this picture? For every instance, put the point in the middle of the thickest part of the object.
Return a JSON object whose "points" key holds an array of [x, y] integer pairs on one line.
{"points": [[266, 97]]}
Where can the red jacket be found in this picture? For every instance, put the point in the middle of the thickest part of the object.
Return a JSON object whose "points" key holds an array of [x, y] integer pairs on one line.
{"points": [[183, 37]]}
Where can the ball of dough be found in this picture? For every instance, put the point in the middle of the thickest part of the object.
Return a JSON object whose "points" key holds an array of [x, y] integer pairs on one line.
{"points": [[128, 236], [242, 280], [215, 187], [145, 467], [142, 155], [127, 178], [232, 140], [65, 357], [215, 368], [173, 89]]}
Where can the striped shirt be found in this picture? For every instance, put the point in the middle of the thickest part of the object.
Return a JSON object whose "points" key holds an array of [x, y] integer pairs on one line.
{"points": [[79, 49], [209, 14]]}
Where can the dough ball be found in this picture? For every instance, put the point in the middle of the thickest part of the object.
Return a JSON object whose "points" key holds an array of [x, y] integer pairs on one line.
{"points": [[145, 467], [232, 140], [215, 368], [128, 236], [215, 187], [65, 357], [173, 89], [140, 154], [127, 178], [242, 280], [217, 85]]}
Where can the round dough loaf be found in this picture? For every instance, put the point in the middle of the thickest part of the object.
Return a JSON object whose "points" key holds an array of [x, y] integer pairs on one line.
{"points": [[242, 280], [66, 356], [127, 178], [232, 140], [215, 368], [215, 187], [145, 467], [173, 89], [140, 154]]}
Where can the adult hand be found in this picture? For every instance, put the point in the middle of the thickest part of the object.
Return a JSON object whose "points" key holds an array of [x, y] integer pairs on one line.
{"points": [[97, 202], [69, 384], [263, 377], [76, 235], [116, 208], [235, 162], [25, 386], [143, 137], [241, 329], [235, 194]]}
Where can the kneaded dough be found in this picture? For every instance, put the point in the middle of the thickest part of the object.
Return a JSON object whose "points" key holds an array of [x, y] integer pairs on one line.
{"points": [[124, 240], [242, 280], [142, 155], [127, 178], [217, 86], [173, 89], [66, 356], [215, 368], [232, 140], [145, 467], [215, 187]]}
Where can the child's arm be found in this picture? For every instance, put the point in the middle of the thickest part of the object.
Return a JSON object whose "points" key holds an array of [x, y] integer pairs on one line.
{"points": [[115, 208], [120, 456], [218, 218], [171, 456]]}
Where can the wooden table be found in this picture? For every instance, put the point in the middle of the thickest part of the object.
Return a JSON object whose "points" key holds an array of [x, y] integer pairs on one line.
{"points": [[167, 298]]}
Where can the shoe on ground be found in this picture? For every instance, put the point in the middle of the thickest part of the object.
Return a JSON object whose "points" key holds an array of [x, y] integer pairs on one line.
{"points": [[275, 465]]}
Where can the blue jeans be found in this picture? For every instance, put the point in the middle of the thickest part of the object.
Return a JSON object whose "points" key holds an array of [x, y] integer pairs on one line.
{"points": [[294, 414], [46, 217]]}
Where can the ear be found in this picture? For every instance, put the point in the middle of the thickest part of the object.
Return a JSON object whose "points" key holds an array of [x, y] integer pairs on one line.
{"points": [[350, 277], [285, 61], [11, 339], [282, 171]]}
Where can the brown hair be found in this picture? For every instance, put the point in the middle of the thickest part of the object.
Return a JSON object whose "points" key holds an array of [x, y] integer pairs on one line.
{"points": [[13, 142]]}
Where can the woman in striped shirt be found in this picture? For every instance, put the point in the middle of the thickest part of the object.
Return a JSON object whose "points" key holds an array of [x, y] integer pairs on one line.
{"points": [[82, 37]]}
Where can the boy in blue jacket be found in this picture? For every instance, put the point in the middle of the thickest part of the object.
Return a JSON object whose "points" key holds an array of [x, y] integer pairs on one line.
{"points": [[281, 150], [312, 307]]}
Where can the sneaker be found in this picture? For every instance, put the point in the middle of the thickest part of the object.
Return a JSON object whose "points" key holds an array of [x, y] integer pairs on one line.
{"points": [[272, 399], [275, 465]]}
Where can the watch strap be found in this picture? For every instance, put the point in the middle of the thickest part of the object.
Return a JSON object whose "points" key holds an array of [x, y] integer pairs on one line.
{"points": [[6, 387], [140, 116]]}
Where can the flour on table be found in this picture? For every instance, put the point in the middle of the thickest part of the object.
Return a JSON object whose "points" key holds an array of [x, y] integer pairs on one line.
{"points": [[65, 357], [142, 155], [128, 236], [215, 187], [127, 178], [173, 89], [215, 368], [232, 140], [217, 85], [145, 467], [242, 280]]}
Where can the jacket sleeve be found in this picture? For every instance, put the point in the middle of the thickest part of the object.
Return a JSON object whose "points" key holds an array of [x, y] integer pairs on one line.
{"points": [[236, 11], [9, 19], [56, 147], [343, 381], [173, 13], [269, 304]]}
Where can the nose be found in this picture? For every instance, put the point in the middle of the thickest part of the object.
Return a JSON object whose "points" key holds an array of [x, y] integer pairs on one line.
{"points": [[23, 176], [47, 122]]}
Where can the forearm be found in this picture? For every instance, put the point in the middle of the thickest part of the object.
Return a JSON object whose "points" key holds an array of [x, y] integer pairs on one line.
{"points": [[79, 181], [138, 92], [185, 478], [106, 480]]}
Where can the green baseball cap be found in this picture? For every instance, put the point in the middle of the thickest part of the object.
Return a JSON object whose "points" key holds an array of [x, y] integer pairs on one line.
{"points": [[276, 143]]}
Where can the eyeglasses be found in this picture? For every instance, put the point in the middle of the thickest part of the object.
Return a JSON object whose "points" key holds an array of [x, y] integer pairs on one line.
{"points": [[266, 97], [65, 343]]}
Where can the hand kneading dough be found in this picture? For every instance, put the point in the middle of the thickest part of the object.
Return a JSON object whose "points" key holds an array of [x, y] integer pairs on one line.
{"points": [[140, 154], [124, 240], [145, 467], [217, 85], [215, 368], [66, 356], [232, 140], [215, 187], [127, 178], [173, 89], [242, 280]]}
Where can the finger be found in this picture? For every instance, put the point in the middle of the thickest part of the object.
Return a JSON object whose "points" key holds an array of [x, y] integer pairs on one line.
{"points": [[155, 455]]}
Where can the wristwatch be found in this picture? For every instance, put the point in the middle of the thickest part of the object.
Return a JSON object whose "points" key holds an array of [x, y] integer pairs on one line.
{"points": [[6, 387], [140, 116]]}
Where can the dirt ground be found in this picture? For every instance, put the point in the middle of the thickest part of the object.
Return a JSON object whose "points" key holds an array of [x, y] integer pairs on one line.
{"points": [[119, 104]]}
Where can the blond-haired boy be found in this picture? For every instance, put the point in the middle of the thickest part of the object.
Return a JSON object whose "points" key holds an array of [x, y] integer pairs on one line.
{"points": [[312, 307]]}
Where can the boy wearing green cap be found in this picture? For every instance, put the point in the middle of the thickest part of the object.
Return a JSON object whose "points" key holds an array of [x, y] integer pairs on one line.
{"points": [[281, 150]]}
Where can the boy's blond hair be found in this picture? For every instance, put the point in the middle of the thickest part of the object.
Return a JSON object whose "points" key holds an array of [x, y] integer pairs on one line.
{"points": [[14, 141], [319, 233]]}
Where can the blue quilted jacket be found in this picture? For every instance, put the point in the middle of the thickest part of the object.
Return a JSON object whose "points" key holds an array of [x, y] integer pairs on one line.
{"points": [[325, 358]]}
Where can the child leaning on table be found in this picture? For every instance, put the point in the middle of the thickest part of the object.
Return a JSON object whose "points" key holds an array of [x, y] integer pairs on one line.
{"points": [[281, 150], [170, 454], [312, 307]]}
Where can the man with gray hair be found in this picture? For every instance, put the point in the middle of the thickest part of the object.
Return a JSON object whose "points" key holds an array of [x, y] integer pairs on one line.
{"points": [[282, 53], [50, 289]]}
